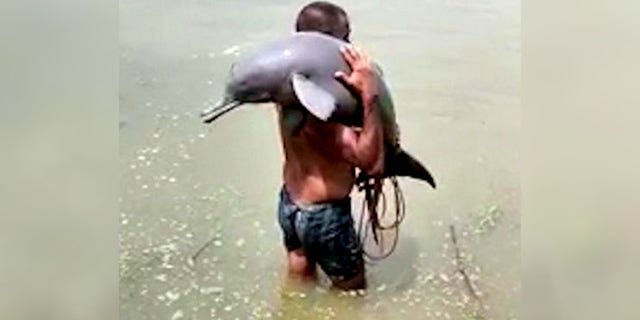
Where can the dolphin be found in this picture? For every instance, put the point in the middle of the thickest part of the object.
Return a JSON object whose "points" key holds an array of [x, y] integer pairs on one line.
{"points": [[299, 69]]}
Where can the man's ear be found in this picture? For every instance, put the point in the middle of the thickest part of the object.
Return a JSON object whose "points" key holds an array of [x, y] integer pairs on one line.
{"points": [[377, 66]]}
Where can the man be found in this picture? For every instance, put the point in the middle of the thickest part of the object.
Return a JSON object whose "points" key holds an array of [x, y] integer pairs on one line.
{"points": [[320, 163]]}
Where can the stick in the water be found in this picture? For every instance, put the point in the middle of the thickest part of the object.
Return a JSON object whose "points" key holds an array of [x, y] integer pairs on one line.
{"points": [[207, 244], [460, 265]]}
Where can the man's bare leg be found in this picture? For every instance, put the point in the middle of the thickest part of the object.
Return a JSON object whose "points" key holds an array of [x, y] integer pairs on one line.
{"points": [[300, 266]]}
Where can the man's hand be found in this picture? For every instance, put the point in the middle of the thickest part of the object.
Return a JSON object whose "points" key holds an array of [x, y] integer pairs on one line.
{"points": [[363, 78], [365, 148]]}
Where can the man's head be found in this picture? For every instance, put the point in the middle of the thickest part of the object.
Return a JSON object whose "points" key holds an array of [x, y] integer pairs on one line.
{"points": [[325, 17]]}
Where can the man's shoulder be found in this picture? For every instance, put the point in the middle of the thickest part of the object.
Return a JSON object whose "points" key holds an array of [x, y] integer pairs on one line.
{"points": [[292, 119]]}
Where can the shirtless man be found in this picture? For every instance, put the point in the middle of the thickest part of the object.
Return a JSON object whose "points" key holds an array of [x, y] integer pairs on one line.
{"points": [[320, 162]]}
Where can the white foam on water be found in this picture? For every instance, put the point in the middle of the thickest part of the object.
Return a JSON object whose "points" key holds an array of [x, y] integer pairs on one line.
{"points": [[231, 50]]}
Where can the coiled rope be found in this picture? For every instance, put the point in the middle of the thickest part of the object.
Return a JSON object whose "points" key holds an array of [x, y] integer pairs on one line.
{"points": [[373, 195]]}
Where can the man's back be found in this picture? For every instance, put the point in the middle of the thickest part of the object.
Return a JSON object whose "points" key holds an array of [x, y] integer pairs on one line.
{"points": [[315, 208], [315, 169]]}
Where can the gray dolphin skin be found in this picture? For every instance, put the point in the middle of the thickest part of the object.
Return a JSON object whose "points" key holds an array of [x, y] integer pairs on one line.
{"points": [[299, 69]]}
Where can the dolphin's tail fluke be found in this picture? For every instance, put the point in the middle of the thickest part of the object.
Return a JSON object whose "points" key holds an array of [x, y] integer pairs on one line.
{"points": [[403, 164], [221, 108]]}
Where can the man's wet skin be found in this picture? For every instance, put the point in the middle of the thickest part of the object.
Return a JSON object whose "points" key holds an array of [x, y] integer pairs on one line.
{"points": [[315, 169]]}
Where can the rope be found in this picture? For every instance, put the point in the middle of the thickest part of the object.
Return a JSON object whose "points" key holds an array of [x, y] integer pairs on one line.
{"points": [[373, 195]]}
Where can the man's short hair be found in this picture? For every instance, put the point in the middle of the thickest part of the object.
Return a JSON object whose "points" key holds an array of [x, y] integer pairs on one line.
{"points": [[325, 17]]}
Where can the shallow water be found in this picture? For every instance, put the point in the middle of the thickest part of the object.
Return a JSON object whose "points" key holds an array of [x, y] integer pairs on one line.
{"points": [[454, 71]]}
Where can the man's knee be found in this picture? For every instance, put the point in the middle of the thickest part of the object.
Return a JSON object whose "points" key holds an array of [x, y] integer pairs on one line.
{"points": [[299, 264]]}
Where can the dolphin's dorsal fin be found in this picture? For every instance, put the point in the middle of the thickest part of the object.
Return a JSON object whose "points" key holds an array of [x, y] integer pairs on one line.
{"points": [[314, 98]]}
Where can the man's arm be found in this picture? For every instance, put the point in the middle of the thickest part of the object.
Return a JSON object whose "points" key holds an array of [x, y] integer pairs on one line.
{"points": [[366, 148]]}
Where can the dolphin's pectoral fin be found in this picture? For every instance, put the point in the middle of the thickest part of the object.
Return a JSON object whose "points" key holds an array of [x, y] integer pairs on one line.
{"points": [[314, 98]]}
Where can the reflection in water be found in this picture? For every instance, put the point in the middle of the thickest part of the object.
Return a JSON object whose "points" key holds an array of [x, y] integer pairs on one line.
{"points": [[199, 237]]}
